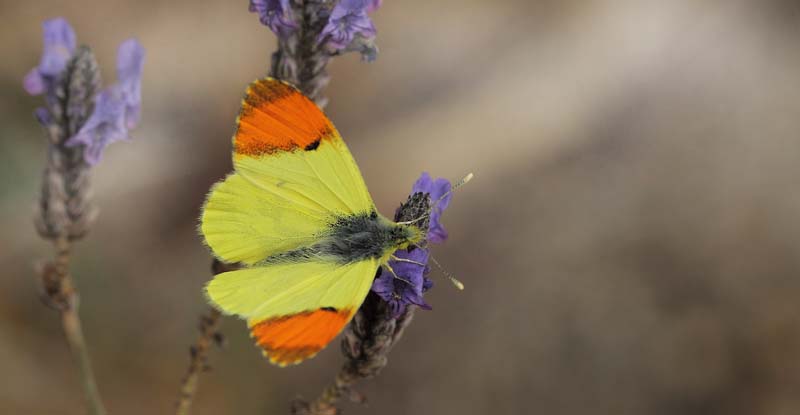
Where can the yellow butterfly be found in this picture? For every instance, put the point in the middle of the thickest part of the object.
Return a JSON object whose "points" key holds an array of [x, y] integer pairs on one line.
{"points": [[297, 213]]}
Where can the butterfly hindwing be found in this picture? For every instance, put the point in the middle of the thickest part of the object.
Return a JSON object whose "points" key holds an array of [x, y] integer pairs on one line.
{"points": [[294, 309]]}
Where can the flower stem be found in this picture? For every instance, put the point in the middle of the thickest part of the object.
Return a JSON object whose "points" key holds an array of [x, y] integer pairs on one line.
{"points": [[60, 293], [198, 352], [299, 59], [199, 360]]}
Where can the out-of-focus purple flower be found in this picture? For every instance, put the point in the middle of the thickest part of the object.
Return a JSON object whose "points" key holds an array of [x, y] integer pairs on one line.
{"points": [[277, 14], [410, 284], [436, 189], [373, 5], [350, 28], [104, 126], [130, 61], [59, 44], [117, 109]]}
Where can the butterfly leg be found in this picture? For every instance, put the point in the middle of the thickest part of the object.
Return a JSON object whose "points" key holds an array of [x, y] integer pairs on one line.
{"points": [[389, 267], [394, 258]]}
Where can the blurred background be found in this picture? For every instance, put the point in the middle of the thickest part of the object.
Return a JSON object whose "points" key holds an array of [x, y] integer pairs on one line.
{"points": [[629, 243]]}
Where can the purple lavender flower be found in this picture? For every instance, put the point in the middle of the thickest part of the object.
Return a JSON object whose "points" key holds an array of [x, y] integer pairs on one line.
{"points": [[436, 189], [411, 280], [349, 28], [408, 288], [104, 126], [59, 44], [277, 14], [117, 109], [373, 5], [130, 60]]}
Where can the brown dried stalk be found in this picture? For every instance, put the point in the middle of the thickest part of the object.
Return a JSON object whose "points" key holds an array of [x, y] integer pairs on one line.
{"points": [[60, 294], [64, 213], [198, 353], [300, 60]]}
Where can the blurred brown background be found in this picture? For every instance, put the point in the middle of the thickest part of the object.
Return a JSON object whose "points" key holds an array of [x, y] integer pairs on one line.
{"points": [[629, 244]]}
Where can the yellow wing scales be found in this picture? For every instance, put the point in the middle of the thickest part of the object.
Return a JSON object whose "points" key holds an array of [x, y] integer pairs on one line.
{"points": [[294, 309], [294, 176]]}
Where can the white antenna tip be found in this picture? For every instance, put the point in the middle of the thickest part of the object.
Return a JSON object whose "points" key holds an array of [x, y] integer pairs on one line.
{"points": [[457, 283], [467, 178]]}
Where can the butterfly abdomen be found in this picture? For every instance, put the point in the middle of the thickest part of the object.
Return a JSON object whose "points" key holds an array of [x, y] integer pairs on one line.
{"points": [[354, 238]]}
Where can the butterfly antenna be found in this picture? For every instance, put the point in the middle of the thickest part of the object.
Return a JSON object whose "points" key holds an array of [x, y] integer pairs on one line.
{"points": [[449, 276], [460, 183]]}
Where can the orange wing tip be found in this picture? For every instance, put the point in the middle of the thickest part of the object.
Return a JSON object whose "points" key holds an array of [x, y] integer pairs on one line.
{"points": [[276, 117], [291, 339]]}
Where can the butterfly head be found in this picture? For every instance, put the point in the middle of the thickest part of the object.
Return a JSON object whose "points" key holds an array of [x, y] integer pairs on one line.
{"points": [[419, 210], [405, 235]]}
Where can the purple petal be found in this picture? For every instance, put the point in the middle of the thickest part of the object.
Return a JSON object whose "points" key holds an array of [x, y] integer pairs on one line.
{"points": [[34, 83], [130, 61], [427, 284], [409, 271], [276, 14], [59, 43], [105, 126], [410, 283], [436, 232], [436, 189], [416, 298], [384, 285], [439, 188], [42, 115], [347, 20], [373, 5], [423, 184]]}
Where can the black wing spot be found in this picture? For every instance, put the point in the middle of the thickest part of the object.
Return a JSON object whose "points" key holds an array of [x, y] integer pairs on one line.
{"points": [[313, 145], [331, 309]]}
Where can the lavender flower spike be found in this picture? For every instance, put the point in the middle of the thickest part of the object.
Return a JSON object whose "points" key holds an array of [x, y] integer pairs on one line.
{"points": [[59, 44], [350, 29], [277, 14], [117, 108], [411, 280]]}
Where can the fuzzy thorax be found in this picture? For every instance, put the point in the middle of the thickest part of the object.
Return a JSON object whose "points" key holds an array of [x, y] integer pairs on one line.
{"points": [[358, 237]]}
